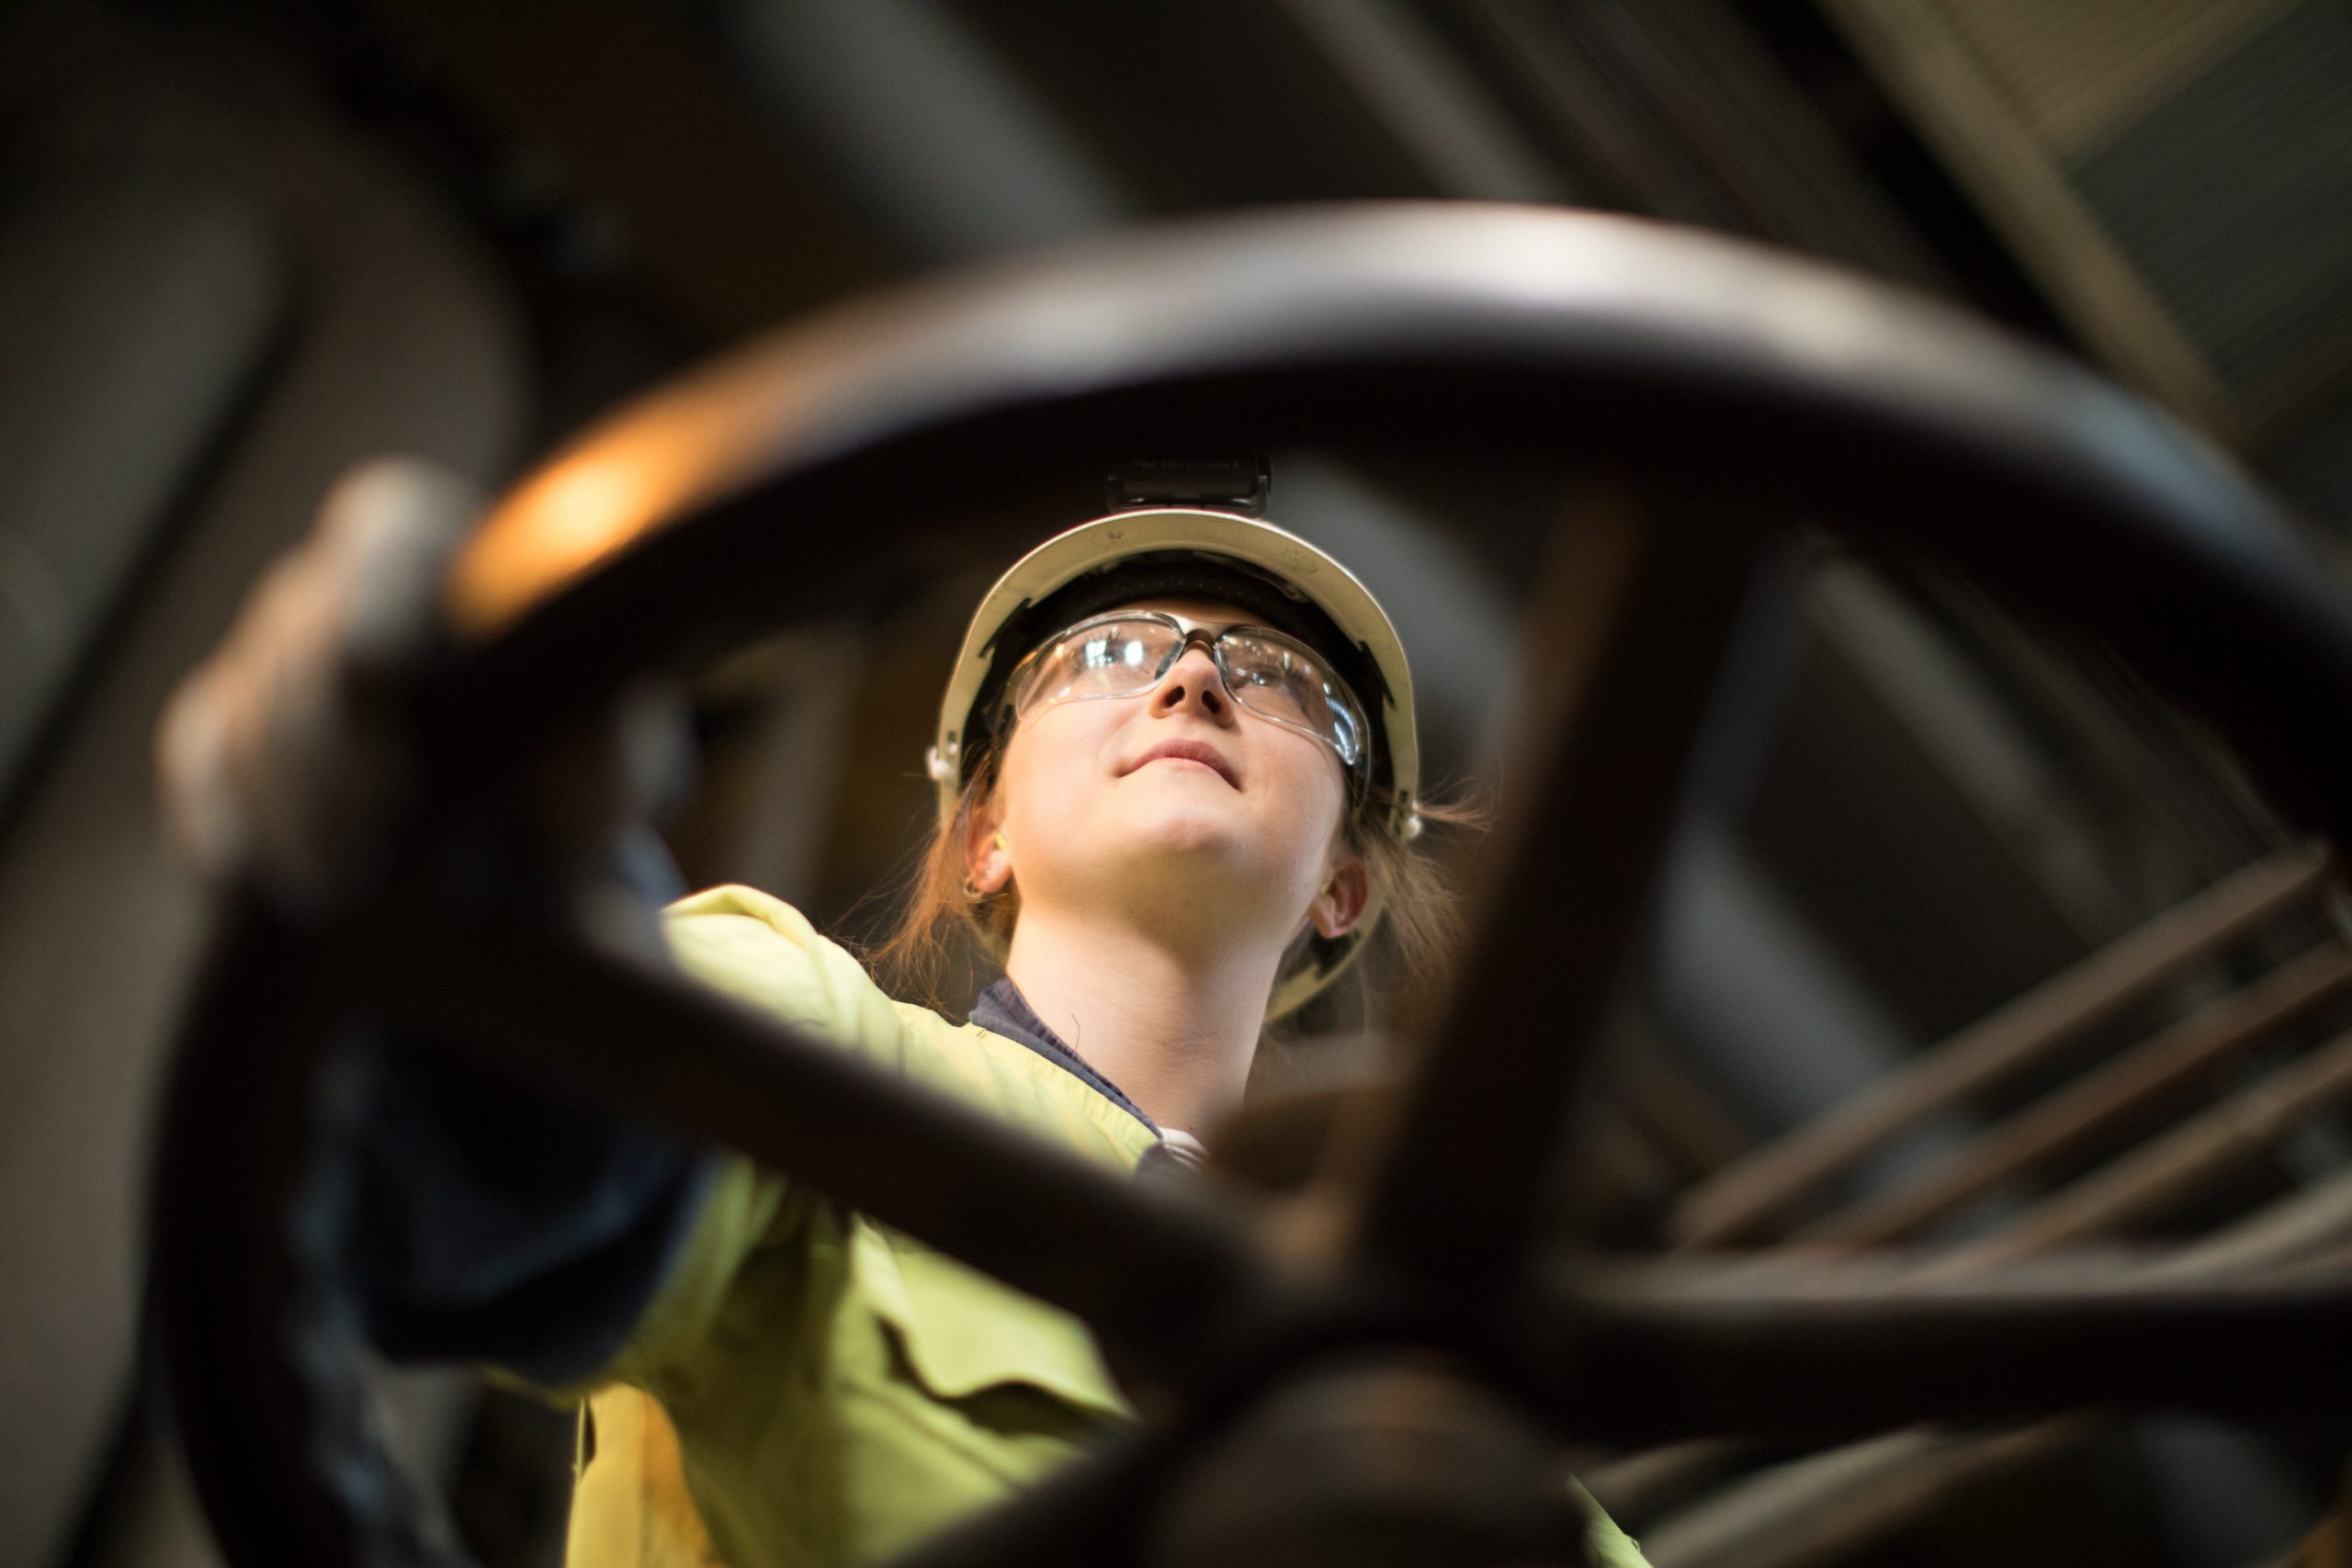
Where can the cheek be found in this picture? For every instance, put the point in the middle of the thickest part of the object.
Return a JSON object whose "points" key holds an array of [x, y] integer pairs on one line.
{"points": [[1307, 809], [1048, 767]]}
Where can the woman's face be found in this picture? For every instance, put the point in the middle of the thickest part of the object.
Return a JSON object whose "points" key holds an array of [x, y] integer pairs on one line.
{"points": [[1177, 804]]}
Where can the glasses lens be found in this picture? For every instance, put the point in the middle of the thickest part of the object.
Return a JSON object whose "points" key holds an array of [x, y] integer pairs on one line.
{"points": [[1127, 656], [1279, 680], [1102, 659]]}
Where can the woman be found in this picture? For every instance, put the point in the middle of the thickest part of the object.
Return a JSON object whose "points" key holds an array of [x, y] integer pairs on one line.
{"points": [[1177, 782]]}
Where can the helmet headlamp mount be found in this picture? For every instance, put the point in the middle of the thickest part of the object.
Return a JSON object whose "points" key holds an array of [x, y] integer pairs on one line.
{"points": [[1220, 484]]}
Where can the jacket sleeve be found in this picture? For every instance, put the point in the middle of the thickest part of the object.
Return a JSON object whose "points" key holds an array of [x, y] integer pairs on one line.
{"points": [[765, 952], [1605, 1545], [489, 1222]]}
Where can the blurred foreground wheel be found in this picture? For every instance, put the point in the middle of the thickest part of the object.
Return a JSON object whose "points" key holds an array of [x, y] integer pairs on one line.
{"points": [[1726, 392]]}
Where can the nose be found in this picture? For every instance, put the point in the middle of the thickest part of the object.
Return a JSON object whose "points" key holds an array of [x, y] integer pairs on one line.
{"points": [[1193, 685]]}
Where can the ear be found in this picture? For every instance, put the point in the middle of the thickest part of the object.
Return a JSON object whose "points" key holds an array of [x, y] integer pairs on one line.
{"points": [[987, 859], [1346, 890]]}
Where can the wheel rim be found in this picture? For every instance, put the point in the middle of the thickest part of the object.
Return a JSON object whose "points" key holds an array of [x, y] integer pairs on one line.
{"points": [[722, 508]]}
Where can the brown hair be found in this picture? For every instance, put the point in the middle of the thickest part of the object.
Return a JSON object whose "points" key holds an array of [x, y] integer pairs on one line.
{"points": [[945, 917], [947, 923]]}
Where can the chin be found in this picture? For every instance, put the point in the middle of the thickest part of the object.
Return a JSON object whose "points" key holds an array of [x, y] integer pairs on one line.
{"points": [[1183, 828]]}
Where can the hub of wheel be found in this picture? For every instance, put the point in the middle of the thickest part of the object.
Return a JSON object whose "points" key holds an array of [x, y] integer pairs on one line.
{"points": [[1398, 1462]]}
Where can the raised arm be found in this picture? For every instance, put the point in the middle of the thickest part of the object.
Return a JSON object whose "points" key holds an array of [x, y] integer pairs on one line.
{"points": [[480, 1221]]}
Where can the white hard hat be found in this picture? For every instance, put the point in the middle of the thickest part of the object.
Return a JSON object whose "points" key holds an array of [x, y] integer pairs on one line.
{"points": [[1194, 552]]}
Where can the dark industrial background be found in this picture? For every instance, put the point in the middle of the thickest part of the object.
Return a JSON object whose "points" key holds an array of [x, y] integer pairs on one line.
{"points": [[244, 245]]}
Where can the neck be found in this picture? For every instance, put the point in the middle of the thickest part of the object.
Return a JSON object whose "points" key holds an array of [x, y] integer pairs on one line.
{"points": [[1175, 1030]]}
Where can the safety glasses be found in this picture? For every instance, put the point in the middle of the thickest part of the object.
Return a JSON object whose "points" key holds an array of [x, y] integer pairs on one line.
{"points": [[1128, 652]]}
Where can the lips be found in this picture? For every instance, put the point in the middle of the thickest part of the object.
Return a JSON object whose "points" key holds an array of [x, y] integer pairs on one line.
{"points": [[1189, 752]]}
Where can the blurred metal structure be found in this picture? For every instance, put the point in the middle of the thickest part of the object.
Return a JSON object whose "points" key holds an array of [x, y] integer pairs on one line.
{"points": [[2087, 156], [1476, 330], [1837, 1504], [217, 297], [1746, 1197]]}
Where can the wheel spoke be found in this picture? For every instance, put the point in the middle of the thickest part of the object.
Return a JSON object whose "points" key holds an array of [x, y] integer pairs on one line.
{"points": [[1624, 643], [821, 462], [1158, 1272], [1647, 1351], [261, 1380]]}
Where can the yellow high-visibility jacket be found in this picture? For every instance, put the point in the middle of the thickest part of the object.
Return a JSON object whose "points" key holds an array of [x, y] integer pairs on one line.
{"points": [[810, 1388]]}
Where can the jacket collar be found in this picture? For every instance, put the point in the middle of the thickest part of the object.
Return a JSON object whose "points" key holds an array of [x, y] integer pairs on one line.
{"points": [[1002, 1010]]}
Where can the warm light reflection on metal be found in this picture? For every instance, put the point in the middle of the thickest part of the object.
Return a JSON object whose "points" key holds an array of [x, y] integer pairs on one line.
{"points": [[649, 465], [568, 519]]}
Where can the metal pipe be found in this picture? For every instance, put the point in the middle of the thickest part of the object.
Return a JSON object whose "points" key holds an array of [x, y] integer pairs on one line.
{"points": [[1740, 1202], [1791, 1517], [1699, 1345], [2198, 1151], [2208, 1038], [1819, 1508]]}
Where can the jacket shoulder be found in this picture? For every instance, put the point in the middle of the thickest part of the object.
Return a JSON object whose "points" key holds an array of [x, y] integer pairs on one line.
{"points": [[761, 950]]}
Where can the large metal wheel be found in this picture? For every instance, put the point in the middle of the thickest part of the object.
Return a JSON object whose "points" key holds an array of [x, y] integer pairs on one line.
{"points": [[1729, 391]]}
